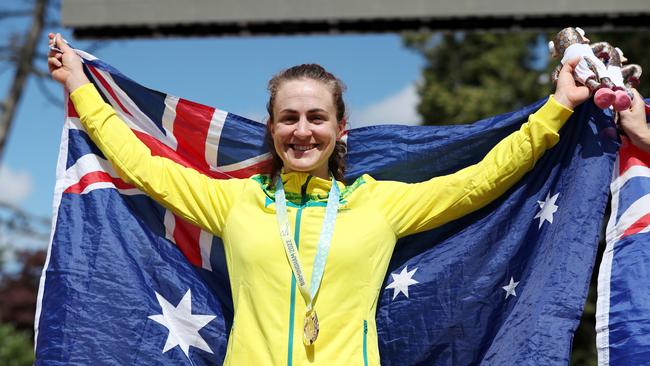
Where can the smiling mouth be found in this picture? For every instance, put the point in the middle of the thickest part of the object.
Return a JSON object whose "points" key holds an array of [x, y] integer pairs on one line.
{"points": [[300, 147]]}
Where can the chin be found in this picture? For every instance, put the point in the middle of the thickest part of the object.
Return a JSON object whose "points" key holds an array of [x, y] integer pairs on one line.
{"points": [[300, 168], [301, 164]]}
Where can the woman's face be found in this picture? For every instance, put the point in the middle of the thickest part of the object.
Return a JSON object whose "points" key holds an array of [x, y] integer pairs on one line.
{"points": [[304, 127]]}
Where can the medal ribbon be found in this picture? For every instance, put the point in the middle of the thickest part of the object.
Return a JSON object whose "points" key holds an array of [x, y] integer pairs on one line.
{"points": [[324, 240]]}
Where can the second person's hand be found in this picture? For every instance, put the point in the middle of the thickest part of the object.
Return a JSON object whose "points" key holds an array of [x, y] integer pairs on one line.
{"points": [[633, 122]]}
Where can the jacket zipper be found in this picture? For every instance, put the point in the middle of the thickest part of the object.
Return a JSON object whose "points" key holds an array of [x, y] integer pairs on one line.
{"points": [[365, 343], [296, 236]]}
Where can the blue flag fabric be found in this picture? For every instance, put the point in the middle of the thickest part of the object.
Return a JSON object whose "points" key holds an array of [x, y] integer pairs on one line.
{"points": [[504, 285]]}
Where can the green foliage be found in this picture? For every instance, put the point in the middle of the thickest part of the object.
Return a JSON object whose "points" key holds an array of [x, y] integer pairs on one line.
{"points": [[18, 293], [470, 76], [15, 347], [18, 290], [476, 75]]}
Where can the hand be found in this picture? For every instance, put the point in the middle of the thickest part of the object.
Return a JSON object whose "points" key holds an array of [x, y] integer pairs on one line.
{"points": [[568, 92], [633, 122], [65, 67]]}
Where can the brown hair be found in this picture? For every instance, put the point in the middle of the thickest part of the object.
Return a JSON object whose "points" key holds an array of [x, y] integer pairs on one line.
{"points": [[315, 72]]}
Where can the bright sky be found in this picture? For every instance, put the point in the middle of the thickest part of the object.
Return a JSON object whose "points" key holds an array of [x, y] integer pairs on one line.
{"points": [[228, 73]]}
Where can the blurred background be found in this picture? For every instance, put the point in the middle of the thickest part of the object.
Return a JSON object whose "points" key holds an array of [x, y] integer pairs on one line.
{"points": [[422, 62]]}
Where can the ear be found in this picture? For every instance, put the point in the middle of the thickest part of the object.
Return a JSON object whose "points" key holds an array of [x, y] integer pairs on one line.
{"points": [[342, 128]]}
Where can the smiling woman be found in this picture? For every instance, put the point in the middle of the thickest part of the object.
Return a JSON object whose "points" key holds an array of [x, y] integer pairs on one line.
{"points": [[303, 221], [306, 121]]}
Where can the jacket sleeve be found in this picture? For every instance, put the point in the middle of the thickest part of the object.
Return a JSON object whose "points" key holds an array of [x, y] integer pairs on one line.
{"points": [[412, 208], [193, 196]]}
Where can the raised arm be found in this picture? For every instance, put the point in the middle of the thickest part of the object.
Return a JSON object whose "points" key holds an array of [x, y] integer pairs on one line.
{"points": [[188, 193], [412, 208]]}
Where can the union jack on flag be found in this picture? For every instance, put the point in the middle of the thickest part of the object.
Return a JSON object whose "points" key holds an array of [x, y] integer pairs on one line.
{"points": [[623, 309], [503, 285], [178, 129]]}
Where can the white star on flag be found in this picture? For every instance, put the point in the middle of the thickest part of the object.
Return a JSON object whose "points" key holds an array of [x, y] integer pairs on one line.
{"points": [[401, 282], [510, 288], [547, 209], [183, 326]]}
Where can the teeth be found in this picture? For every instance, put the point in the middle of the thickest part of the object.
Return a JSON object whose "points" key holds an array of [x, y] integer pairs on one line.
{"points": [[303, 147]]}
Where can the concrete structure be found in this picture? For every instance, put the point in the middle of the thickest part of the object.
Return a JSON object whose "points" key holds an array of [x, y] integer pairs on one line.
{"points": [[152, 18]]}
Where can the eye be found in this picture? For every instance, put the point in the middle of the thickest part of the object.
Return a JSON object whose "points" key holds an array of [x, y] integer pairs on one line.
{"points": [[318, 118], [288, 119]]}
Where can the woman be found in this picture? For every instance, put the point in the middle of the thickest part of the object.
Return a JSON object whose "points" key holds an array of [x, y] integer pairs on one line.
{"points": [[263, 221]]}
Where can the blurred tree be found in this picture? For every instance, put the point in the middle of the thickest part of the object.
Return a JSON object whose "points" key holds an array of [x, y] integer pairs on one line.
{"points": [[24, 52], [19, 51], [15, 347], [469, 76], [18, 290]]}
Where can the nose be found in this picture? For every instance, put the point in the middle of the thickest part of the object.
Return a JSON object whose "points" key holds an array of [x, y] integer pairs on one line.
{"points": [[302, 128]]}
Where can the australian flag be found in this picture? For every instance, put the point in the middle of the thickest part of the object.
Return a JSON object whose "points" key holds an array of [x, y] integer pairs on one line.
{"points": [[126, 282], [623, 308]]}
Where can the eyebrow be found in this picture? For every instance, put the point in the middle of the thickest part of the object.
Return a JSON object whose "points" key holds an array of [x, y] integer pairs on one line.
{"points": [[314, 110]]}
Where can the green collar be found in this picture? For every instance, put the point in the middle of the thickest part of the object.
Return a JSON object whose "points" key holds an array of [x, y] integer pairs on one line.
{"points": [[298, 184]]}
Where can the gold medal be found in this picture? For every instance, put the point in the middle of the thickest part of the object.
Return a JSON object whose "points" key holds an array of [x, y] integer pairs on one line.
{"points": [[310, 328]]}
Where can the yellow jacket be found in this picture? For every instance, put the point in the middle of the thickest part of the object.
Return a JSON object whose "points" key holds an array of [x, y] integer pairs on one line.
{"points": [[269, 311]]}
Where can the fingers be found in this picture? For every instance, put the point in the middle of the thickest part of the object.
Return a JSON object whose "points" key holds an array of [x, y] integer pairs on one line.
{"points": [[54, 53], [636, 110], [54, 57], [50, 42], [571, 64], [58, 44], [638, 104], [53, 63], [61, 43]]}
